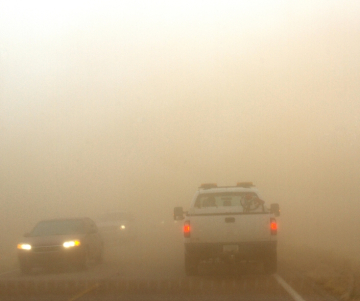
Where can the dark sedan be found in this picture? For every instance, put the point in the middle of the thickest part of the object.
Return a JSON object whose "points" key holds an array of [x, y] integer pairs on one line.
{"points": [[59, 242]]}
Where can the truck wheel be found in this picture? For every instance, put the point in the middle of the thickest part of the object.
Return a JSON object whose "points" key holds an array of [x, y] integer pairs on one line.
{"points": [[191, 265], [270, 264]]}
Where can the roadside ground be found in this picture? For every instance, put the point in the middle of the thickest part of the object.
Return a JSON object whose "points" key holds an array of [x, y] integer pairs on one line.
{"points": [[336, 273]]}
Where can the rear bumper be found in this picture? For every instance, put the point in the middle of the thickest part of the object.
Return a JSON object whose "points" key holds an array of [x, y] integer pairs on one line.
{"points": [[243, 251]]}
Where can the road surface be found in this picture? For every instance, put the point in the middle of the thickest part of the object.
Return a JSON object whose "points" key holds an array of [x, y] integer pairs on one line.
{"points": [[152, 268]]}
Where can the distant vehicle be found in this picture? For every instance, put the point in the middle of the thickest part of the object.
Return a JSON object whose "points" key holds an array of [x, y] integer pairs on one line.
{"points": [[59, 242], [117, 226], [230, 223]]}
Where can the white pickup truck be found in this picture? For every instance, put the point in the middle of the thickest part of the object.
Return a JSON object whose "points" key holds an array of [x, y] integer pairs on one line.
{"points": [[229, 223]]}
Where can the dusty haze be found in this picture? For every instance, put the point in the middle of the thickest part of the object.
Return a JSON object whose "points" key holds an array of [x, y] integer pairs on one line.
{"points": [[132, 106]]}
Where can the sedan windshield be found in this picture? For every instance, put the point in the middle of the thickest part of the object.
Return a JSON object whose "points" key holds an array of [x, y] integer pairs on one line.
{"points": [[58, 227]]}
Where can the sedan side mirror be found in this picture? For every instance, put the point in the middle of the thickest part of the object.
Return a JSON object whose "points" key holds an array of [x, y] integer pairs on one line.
{"points": [[178, 213], [275, 208]]}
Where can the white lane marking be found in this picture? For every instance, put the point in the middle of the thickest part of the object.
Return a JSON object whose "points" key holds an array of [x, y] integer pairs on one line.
{"points": [[8, 272], [288, 288]]}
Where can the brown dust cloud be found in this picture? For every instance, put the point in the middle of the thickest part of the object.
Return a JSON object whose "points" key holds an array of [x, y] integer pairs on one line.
{"points": [[131, 106]]}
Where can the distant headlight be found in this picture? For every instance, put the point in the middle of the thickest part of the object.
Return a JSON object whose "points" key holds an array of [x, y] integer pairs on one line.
{"points": [[71, 243], [24, 247], [122, 227]]}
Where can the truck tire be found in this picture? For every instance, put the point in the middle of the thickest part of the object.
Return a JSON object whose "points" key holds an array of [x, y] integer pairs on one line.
{"points": [[270, 264], [191, 265]]}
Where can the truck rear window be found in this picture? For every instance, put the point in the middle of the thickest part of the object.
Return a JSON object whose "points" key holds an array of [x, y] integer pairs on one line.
{"points": [[247, 200]]}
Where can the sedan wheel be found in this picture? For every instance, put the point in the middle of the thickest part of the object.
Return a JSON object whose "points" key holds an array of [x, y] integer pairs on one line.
{"points": [[84, 263], [25, 268]]}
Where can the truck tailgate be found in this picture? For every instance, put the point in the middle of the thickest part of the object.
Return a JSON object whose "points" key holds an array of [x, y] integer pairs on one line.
{"points": [[230, 228]]}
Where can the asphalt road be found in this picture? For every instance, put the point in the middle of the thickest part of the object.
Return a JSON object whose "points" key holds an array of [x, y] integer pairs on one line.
{"points": [[152, 268]]}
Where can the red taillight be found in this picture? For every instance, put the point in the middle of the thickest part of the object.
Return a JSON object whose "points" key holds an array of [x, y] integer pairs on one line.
{"points": [[187, 229], [273, 226]]}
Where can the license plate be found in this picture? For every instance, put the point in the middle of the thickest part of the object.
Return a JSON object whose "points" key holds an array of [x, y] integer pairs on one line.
{"points": [[230, 248]]}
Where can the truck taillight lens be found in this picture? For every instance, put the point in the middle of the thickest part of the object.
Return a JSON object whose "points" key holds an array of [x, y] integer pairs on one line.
{"points": [[273, 226], [187, 229]]}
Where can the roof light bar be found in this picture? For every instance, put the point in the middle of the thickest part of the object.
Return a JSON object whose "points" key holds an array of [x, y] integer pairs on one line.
{"points": [[245, 184], [208, 185]]}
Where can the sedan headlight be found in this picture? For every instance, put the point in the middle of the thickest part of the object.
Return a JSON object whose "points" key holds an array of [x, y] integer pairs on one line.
{"points": [[24, 247], [122, 227], [71, 243]]}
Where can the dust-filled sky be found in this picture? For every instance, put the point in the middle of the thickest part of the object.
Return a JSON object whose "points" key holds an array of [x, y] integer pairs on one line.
{"points": [[130, 105]]}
